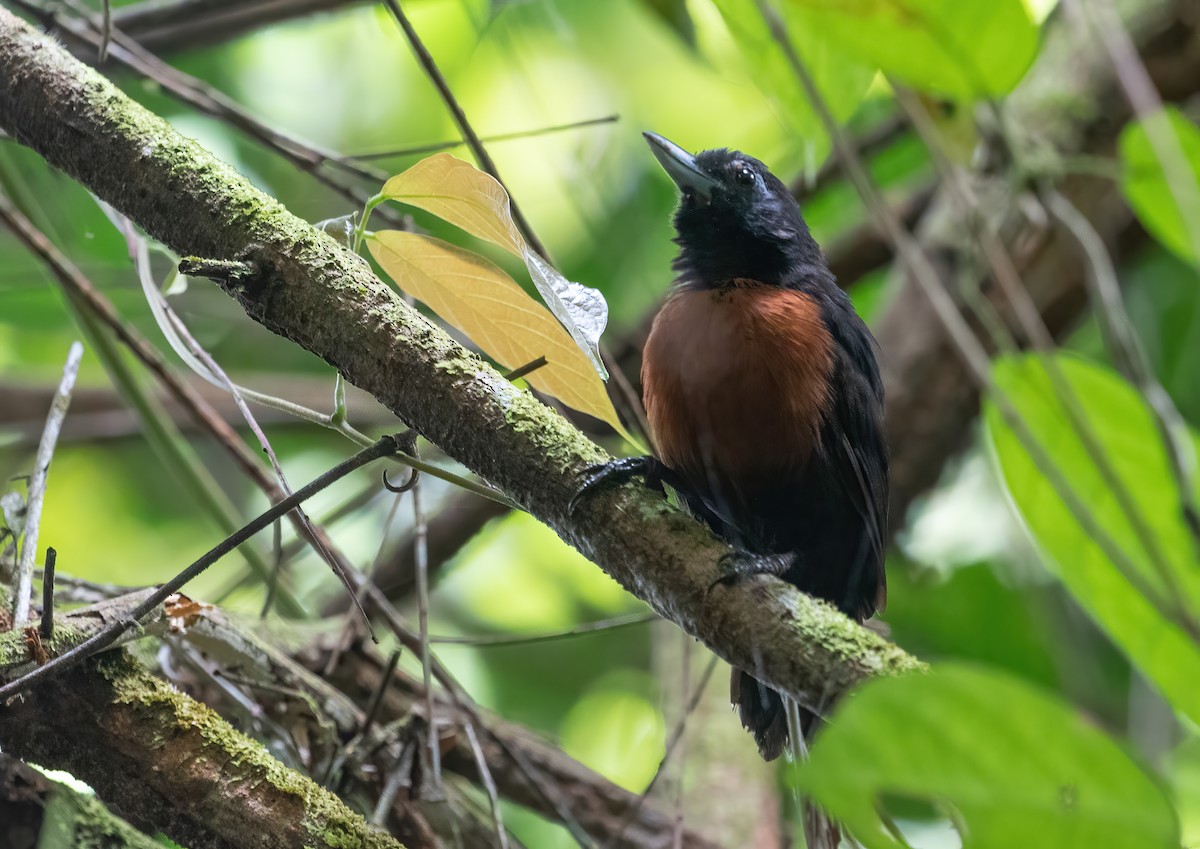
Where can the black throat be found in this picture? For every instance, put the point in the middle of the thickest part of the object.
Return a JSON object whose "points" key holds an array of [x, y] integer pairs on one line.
{"points": [[713, 254]]}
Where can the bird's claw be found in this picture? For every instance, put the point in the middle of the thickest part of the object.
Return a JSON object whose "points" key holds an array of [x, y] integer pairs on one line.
{"points": [[614, 473], [736, 565]]}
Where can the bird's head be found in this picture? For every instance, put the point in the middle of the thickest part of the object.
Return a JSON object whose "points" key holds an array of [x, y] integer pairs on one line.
{"points": [[736, 220]]}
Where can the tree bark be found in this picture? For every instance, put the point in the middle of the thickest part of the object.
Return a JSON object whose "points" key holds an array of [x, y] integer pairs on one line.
{"points": [[167, 763], [35, 811]]}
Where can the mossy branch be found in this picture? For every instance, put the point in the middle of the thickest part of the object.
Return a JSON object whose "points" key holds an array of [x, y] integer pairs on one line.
{"points": [[34, 808], [327, 300], [163, 761], [167, 763]]}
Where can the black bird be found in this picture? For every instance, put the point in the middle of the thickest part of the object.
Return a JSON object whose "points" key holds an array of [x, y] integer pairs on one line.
{"points": [[765, 402]]}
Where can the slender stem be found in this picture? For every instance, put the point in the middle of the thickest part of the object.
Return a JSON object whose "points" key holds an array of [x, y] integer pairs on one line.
{"points": [[23, 584], [105, 638], [489, 784], [499, 137], [1142, 95], [360, 230], [1126, 348], [420, 532], [47, 629], [460, 118], [527, 369], [532, 639]]}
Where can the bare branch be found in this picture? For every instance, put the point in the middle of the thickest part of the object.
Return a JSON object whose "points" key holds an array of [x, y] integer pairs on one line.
{"points": [[189, 24], [78, 819], [23, 587]]}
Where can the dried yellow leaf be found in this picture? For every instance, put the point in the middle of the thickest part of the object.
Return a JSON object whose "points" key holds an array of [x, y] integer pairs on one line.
{"points": [[459, 193], [474, 295]]}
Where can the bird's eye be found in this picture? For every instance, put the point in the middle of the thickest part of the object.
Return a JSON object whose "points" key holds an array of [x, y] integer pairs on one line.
{"points": [[743, 174]]}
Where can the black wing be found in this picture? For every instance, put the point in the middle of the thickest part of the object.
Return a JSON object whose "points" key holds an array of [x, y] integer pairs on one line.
{"points": [[855, 454]]}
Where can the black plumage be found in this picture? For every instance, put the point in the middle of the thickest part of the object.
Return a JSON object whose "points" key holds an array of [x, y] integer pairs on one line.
{"points": [[764, 396]]}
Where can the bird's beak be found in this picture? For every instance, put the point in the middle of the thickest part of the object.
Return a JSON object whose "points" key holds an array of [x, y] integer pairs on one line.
{"points": [[680, 166]]}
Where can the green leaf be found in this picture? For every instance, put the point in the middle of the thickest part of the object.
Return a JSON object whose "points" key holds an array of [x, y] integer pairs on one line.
{"points": [[842, 81], [1152, 191], [1127, 436], [961, 48], [1019, 768]]}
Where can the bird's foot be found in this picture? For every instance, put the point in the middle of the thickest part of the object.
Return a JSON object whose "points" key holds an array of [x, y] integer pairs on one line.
{"points": [[619, 472], [738, 565]]}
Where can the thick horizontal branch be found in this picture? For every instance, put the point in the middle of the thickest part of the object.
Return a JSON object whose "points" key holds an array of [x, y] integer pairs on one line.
{"points": [[35, 811], [163, 761], [525, 768], [327, 300]]}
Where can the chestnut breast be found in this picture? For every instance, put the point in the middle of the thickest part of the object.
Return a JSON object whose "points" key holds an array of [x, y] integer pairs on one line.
{"points": [[736, 383]]}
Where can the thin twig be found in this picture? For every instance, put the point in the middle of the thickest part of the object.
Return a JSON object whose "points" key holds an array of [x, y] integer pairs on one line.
{"points": [[113, 632], [1029, 319], [399, 776], [211, 364], [349, 507], [499, 137], [23, 583], [527, 369], [351, 623], [1126, 350], [464, 126], [1147, 105], [377, 697], [532, 639], [47, 629], [489, 784], [420, 541], [673, 741], [105, 30]]}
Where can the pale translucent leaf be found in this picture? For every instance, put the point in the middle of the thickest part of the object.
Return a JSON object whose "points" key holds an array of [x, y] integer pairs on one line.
{"points": [[475, 296], [461, 194], [457, 192]]}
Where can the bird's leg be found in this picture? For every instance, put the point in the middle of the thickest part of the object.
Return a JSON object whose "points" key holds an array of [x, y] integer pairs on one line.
{"points": [[740, 564], [622, 471]]}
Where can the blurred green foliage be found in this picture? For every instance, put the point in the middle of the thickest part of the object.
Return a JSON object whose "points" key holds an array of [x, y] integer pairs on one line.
{"points": [[1047, 663]]}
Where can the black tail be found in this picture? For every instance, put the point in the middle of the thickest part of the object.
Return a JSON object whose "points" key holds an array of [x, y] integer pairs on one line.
{"points": [[763, 714]]}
